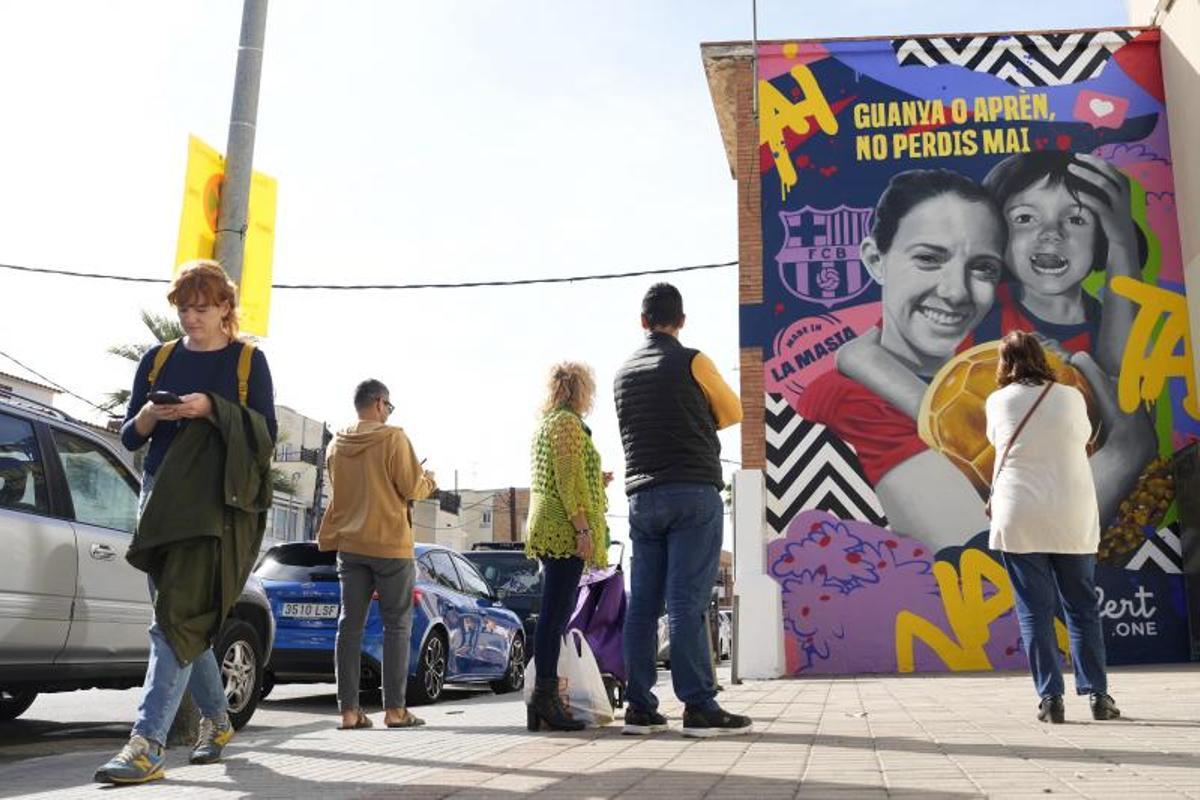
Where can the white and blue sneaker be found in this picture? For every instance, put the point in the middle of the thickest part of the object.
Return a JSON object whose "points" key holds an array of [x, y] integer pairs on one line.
{"points": [[214, 735], [139, 761]]}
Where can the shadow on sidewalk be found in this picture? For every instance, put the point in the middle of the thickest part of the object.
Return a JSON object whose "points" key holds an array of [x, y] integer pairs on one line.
{"points": [[1159, 722], [23, 739], [899, 744], [680, 784]]}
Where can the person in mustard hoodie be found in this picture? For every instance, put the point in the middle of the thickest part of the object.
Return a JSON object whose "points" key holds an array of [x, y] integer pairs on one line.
{"points": [[374, 474]]}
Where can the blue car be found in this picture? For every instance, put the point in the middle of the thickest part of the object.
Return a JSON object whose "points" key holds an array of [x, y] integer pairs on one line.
{"points": [[461, 632]]}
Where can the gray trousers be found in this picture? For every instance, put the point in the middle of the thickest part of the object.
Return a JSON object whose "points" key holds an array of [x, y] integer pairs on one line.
{"points": [[393, 579]]}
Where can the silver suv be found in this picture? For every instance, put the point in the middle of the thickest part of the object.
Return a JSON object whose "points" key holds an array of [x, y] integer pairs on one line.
{"points": [[73, 612]]}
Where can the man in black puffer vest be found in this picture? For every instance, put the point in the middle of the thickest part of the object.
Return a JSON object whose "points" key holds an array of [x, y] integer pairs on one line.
{"points": [[671, 401]]}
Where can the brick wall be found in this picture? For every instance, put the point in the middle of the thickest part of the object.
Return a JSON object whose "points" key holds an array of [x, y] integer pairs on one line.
{"points": [[502, 517], [750, 288]]}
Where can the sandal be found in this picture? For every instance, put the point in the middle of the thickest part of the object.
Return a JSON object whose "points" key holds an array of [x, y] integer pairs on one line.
{"points": [[409, 720], [363, 721]]}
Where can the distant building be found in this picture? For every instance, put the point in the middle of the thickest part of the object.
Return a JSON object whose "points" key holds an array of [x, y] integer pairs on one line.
{"points": [[460, 519], [724, 587], [29, 389], [299, 462], [489, 515], [433, 523]]}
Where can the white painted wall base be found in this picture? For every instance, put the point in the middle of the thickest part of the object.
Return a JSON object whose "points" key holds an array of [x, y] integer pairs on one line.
{"points": [[759, 649]]}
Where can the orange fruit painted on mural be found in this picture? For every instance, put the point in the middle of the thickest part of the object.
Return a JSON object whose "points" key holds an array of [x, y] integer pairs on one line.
{"points": [[953, 419], [212, 200]]}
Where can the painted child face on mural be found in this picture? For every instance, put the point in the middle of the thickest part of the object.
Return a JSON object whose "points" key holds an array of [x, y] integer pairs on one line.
{"points": [[939, 277], [1051, 238]]}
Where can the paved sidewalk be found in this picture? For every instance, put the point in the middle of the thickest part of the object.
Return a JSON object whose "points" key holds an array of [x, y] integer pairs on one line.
{"points": [[866, 737]]}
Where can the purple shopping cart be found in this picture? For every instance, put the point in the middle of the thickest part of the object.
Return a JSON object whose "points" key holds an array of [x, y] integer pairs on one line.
{"points": [[600, 616]]}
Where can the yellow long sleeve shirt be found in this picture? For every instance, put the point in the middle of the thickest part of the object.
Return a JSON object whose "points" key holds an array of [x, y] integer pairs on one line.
{"points": [[724, 402]]}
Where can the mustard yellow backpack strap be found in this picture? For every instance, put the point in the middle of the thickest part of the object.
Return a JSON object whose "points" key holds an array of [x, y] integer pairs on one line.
{"points": [[160, 358], [243, 371]]}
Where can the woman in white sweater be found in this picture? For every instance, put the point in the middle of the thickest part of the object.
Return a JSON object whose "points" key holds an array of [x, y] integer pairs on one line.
{"points": [[1046, 522]]}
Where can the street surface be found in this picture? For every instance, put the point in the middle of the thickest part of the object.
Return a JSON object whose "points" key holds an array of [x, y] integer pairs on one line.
{"points": [[860, 737]]}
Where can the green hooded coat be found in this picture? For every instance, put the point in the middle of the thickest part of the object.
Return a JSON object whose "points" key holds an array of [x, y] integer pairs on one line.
{"points": [[200, 532]]}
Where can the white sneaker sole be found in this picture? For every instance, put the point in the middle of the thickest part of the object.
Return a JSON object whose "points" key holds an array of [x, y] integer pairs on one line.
{"points": [[709, 733], [643, 730]]}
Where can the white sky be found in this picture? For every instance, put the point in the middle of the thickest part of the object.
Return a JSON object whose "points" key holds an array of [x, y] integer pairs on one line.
{"points": [[412, 141]]}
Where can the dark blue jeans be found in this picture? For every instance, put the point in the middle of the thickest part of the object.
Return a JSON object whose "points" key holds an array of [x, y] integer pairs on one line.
{"points": [[676, 532], [1038, 580], [560, 587]]}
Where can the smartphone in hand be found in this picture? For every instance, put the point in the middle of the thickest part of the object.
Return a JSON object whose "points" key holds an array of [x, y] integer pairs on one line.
{"points": [[161, 398]]}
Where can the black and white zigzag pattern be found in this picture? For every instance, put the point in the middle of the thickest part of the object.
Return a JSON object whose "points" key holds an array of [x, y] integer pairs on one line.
{"points": [[1034, 59], [1163, 550], [810, 468]]}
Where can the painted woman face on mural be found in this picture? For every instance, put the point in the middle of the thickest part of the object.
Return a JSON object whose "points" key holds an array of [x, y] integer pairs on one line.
{"points": [[939, 276]]}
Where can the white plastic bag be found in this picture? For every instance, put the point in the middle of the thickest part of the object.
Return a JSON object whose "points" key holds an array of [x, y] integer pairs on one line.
{"points": [[579, 682]]}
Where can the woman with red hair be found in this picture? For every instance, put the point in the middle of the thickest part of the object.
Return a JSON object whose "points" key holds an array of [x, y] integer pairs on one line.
{"points": [[178, 383]]}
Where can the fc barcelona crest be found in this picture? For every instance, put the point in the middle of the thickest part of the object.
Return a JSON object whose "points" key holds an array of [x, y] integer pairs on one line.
{"points": [[819, 260]]}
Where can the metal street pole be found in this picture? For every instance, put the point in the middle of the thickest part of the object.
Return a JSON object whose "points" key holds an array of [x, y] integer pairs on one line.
{"points": [[231, 225], [512, 514], [239, 151]]}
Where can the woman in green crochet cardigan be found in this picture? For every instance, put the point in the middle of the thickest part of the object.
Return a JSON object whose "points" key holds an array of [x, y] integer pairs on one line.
{"points": [[566, 525]]}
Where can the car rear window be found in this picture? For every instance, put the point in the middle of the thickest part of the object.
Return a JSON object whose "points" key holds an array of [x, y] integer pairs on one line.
{"points": [[511, 572], [297, 563], [22, 480]]}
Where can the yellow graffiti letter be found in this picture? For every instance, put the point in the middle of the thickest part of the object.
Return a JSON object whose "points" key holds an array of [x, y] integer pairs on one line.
{"points": [[970, 615], [1148, 361], [777, 112]]}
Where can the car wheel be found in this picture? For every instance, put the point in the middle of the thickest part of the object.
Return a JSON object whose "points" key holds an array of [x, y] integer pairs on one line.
{"points": [[268, 684], [239, 653], [514, 675], [15, 702], [426, 686]]}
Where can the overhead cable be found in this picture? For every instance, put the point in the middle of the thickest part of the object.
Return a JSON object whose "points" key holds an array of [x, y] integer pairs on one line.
{"points": [[388, 286], [55, 384]]}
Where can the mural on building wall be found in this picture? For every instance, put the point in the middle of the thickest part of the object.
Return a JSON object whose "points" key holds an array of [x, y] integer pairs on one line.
{"points": [[888, 279]]}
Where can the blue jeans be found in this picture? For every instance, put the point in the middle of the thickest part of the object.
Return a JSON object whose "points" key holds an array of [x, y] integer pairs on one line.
{"points": [[1038, 580], [167, 679], [560, 588], [676, 529]]}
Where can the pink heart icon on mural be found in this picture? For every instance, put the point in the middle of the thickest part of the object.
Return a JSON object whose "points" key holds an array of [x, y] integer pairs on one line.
{"points": [[1100, 110]]}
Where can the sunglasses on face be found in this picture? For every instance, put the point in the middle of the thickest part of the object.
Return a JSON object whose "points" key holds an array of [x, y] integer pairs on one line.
{"points": [[388, 405]]}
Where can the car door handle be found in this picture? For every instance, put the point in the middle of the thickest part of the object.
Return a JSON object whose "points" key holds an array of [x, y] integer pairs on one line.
{"points": [[102, 552]]}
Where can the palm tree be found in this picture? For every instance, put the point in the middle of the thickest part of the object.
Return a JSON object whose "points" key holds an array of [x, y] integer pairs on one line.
{"points": [[167, 329]]}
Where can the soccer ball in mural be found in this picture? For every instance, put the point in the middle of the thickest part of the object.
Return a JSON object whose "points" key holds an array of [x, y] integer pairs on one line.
{"points": [[952, 419]]}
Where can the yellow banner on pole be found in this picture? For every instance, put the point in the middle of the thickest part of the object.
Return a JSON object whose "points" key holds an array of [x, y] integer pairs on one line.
{"points": [[201, 200], [198, 230]]}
